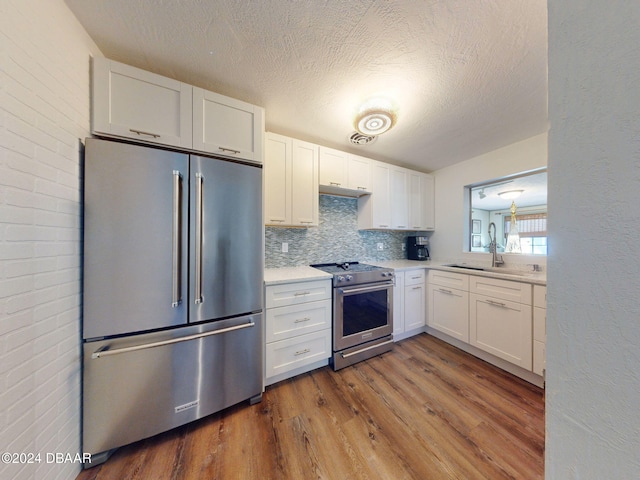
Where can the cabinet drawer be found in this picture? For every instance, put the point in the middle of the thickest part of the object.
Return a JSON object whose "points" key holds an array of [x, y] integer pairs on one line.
{"points": [[502, 289], [294, 293], [296, 352], [540, 296], [449, 279], [293, 320], [414, 277], [540, 324]]}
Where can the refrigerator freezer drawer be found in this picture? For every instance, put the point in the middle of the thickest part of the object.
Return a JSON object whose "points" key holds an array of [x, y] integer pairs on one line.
{"points": [[138, 386]]}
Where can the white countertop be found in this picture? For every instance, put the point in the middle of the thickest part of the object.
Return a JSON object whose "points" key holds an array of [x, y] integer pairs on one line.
{"points": [[273, 276]]}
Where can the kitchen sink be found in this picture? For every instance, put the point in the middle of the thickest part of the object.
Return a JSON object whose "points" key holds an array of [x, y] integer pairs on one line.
{"points": [[506, 271]]}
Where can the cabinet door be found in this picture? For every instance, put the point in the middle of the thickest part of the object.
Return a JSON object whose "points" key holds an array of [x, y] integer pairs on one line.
{"points": [[226, 126], [502, 328], [398, 304], [429, 203], [333, 167], [449, 311], [132, 103], [420, 201], [414, 311], [381, 196], [304, 184], [399, 199], [277, 180], [358, 173]]}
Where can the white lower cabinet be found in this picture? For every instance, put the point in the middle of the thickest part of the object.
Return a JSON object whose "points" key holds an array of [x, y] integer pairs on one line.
{"points": [[297, 328], [448, 303], [414, 298], [398, 305], [539, 329], [498, 324], [409, 298]]}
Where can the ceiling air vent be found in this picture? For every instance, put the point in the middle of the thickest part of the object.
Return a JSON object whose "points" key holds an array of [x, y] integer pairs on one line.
{"points": [[358, 138]]}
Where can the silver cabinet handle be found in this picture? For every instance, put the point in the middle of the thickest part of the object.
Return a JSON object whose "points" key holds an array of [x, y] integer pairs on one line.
{"points": [[417, 288], [301, 320], [177, 239], [230, 150], [103, 352], [362, 188], [198, 253], [302, 352], [335, 184], [497, 304], [444, 290], [299, 294], [385, 226], [346, 355], [275, 220], [140, 132]]}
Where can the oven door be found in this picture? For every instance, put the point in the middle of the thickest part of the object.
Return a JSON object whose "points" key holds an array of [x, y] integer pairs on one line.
{"points": [[362, 313]]}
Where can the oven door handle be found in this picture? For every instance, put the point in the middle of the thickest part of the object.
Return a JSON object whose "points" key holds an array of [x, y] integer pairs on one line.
{"points": [[382, 286]]}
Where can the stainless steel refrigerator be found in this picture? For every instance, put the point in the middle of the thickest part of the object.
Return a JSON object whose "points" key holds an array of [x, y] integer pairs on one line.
{"points": [[172, 306]]}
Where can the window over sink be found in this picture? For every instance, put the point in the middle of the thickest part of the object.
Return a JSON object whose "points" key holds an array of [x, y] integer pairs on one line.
{"points": [[487, 202]]}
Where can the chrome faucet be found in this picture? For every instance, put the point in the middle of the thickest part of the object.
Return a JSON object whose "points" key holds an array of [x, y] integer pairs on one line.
{"points": [[493, 247]]}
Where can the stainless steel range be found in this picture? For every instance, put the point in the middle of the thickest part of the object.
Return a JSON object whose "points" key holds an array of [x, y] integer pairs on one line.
{"points": [[362, 311]]}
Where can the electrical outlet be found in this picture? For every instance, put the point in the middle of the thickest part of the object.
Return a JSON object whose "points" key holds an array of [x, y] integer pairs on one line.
{"points": [[404, 247], [285, 247], [380, 246]]}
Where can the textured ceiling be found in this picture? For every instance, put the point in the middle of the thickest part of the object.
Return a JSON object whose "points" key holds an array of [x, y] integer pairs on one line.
{"points": [[466, 76]]}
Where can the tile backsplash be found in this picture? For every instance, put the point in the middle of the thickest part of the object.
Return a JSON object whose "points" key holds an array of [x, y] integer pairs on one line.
{"points": [[335, 239]]}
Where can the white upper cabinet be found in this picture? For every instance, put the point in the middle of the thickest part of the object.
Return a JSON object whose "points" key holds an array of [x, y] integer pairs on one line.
{"points": [[399, 199], [421, 198], [304, 186], [359, 173], [131, 103], [277, 179], [333, 167], [374, 211], [344, 174], [291, 182], [226, 126]]}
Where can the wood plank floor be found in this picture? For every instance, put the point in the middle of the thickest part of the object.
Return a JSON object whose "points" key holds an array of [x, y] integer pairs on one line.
{"points": [[423, 411]]}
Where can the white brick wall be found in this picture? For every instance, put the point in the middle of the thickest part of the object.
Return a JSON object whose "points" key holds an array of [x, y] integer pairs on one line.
{"points": [[44, 112]]}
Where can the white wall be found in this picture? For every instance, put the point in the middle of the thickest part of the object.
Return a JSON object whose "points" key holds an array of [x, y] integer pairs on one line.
{"points": [[447, 240], [593, 316], [44, 110]]}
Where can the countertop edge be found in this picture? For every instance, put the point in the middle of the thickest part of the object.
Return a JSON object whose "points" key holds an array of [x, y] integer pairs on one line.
{"points": [[275, 276]]}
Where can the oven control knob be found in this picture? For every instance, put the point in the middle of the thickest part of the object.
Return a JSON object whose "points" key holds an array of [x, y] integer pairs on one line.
{"points": [[349, 278], [340, 278]]}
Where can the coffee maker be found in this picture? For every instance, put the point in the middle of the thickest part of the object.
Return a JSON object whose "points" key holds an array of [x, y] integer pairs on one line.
{"points": [[417, 248]]}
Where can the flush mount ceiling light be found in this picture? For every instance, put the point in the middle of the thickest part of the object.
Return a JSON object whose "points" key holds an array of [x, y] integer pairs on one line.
{"points": [[510, 194], [376, 116]]}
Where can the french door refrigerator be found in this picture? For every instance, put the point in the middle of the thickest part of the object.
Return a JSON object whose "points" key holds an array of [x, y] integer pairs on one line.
{"points": [[172, 305]]}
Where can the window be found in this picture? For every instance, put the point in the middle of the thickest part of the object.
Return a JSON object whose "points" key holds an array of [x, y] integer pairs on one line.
{"points": [[532, 228]]}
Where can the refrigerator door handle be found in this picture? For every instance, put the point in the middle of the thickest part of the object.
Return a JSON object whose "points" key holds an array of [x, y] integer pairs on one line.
{"points": [[176, 298], [104, 352], [198, 252]]}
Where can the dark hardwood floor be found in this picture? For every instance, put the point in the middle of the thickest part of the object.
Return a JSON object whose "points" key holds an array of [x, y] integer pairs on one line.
{"points": [[423, 411]]}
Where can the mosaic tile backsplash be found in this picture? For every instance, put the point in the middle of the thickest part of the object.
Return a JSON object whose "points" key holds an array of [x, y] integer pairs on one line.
{"points": [[335, 239]]}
